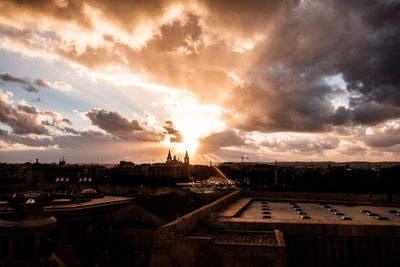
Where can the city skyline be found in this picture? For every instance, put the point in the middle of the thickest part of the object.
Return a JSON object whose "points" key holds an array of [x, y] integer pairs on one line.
{"points": [[105, 81]]}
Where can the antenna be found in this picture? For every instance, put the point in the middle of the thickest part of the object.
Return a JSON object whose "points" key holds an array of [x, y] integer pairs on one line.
{"points": [[241, 157]]}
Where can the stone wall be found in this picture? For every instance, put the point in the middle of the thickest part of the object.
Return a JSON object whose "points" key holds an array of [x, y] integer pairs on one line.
{"points": [[168, 243], [190, 221], [206, 252]]}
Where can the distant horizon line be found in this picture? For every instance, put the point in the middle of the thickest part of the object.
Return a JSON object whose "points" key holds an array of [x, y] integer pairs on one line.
{"points": [[207, 163]]}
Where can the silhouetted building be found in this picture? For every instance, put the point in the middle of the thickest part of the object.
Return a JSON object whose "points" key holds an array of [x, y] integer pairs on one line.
{"points": [[26, 232], [126, 169], [173, 168]]}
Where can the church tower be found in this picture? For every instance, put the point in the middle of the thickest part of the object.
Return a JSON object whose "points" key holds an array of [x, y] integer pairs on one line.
{"points": [[186, 161], [186, 158], [169, 158]]}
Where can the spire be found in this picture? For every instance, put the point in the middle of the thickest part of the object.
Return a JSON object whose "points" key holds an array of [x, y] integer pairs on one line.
{"points": [[186, 157], [169, 158], [187, 174]]}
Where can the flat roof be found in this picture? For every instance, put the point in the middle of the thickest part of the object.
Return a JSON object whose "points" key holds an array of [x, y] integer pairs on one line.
{"points": [[282, 210], [93, 204]]}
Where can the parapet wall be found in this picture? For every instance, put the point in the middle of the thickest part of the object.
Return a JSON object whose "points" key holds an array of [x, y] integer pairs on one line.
{"points": [[191, 220], [168, 241]]}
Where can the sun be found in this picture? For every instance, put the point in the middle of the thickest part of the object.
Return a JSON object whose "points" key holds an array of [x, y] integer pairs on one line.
{"points": [[188, 144]]}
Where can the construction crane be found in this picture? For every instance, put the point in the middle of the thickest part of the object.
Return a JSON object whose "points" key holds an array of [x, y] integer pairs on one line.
{"points": [[242, 157]]}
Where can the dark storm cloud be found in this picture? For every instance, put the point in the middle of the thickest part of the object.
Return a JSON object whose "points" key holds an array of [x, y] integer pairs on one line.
{"points": [[275, 106], [175, 135], [369, 62], [112, 121], [369, 113], [215, 141], [362, 45]]}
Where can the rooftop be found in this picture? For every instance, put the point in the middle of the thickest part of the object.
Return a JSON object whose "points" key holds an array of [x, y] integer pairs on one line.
{"points": [[268, 211]]}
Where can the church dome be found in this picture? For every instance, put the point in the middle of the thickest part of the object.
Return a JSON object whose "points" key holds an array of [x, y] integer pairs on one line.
{"points": [[89, 191]]}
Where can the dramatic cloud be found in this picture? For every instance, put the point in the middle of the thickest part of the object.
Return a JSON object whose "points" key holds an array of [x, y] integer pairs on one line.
{"points": [[175, 135], [24, 119], [327, 69], [31, 129], [215, 141], [113, 122], [279, 50], [384, 137], [285, 91], [286, 108]]}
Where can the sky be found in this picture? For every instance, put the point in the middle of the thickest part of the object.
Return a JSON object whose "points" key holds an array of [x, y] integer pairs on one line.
{"points": [[102, 81]]}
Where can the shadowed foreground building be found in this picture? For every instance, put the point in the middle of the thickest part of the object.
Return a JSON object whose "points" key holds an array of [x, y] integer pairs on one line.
{"points": [[27, 233], [43, 229], [270, 229], [238, 229], [87, 228]]}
